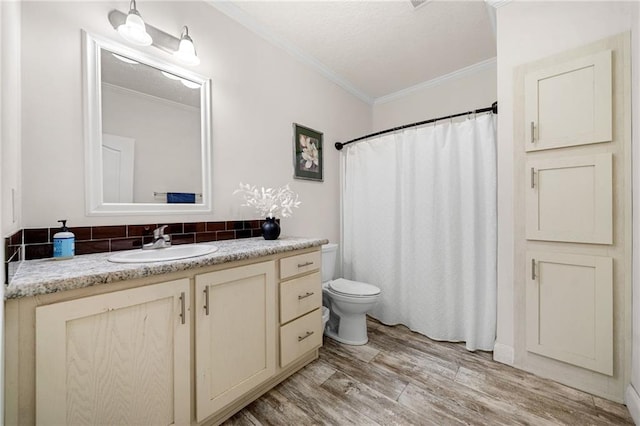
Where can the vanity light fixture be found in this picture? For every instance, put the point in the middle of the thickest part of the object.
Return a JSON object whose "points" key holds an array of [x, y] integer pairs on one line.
{"points": [[186, 52], [133, 29]]}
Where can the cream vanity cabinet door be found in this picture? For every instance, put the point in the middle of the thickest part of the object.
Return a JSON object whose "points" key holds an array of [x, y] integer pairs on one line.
{"points": [[116, 358], [569, 304], [569, 199], [235, 326], [569, 103]]}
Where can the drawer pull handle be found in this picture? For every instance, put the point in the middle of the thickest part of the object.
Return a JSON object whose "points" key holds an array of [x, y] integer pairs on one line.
{"points": [[533, 177], [533, 269], [206, 300], [533, 132], [307, 334], [182, 312], [304, 296], [302, 265]]}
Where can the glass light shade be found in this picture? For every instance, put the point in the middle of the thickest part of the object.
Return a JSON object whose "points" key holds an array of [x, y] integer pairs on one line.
{"points": [[134, 31], [186, 52], [125, 59], [190, 84], [170, 76]]}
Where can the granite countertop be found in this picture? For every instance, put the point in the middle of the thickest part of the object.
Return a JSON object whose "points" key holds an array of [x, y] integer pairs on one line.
{"points": [[45, 276]]}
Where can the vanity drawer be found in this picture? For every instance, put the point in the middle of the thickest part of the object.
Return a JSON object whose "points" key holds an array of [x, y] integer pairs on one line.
{"points": [[299, 296], [294, 265], [300, 336]]}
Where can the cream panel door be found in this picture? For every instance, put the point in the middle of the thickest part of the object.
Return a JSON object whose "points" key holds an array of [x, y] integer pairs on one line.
{"points": [[569, 103], [117, 358], [569, 303], [117, 168], [235, 334], [570, 199]]}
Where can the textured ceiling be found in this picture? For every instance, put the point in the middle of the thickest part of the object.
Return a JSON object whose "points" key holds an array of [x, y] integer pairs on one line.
{"points": [[376, 47]]}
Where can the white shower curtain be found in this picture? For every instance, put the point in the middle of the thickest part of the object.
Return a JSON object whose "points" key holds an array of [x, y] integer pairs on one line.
{"points": [[419, 212]]}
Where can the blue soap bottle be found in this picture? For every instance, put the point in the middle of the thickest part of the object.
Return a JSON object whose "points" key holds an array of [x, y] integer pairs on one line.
{"points": [[64, 243]]}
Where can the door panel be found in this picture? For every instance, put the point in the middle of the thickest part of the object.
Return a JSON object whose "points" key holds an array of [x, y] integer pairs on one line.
{"points": [[116, 358], [570, 199], [569, 103], [235, 334], [569, 302], [117, 168]]}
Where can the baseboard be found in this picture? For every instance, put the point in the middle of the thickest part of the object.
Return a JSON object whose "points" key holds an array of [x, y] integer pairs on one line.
{"points": [[632, 399], [503, 353]]}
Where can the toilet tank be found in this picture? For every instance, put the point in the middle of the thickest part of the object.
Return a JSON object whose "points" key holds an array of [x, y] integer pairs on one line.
{"points": [[329, 255]]}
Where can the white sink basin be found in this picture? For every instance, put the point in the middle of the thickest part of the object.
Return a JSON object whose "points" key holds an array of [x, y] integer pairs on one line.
{"points": [[162, 254]]}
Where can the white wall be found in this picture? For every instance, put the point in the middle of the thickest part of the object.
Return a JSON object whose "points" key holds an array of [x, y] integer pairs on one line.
{"points": [[632, 397], [458, 92], [258, 91], [167, 141], [10, 133], [528, 31], [9, 144]]}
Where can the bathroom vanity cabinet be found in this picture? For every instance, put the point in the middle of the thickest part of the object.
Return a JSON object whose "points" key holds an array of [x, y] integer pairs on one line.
{"points": [[235, 340], [186, 347], [116, 358]]}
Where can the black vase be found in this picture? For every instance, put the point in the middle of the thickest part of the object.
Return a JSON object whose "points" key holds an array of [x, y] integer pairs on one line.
{"points": [[270, 229]]}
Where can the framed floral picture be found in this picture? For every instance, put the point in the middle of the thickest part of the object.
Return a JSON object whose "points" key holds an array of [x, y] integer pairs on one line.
{"points": [[307, 153]]}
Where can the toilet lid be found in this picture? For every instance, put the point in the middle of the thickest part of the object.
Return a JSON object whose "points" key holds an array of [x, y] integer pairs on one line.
{"points": [[353, 288]]}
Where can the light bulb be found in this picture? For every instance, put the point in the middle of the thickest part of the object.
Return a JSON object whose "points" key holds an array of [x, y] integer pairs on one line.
{"points": [[186, 52], [133, 30]]}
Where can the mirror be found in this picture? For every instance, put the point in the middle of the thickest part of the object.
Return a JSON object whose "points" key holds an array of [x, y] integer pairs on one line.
{"points": [[148, 133]]}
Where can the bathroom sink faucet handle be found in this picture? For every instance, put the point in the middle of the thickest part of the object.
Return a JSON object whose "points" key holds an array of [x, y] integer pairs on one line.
{"points": [[160, 239], [159, 232]]}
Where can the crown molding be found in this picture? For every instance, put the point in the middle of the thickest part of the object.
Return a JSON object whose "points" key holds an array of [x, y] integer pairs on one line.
{"points": [[244, 19], [462, 72]]}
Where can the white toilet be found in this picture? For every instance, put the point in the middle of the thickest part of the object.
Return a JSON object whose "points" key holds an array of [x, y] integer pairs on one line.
{"points": [[348, 301]]}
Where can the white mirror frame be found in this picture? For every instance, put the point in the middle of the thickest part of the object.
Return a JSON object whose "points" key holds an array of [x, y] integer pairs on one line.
{"points": [[93, 132]]}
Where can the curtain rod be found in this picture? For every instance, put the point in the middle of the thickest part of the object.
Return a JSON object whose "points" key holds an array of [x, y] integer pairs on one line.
{"points": [[493, 108]]}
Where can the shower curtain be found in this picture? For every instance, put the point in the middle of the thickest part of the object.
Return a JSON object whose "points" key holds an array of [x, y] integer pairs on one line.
{"points": [[420, 216]]}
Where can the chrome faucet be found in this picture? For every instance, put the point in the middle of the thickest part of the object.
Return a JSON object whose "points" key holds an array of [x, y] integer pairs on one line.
{"points": [[160, 239]]}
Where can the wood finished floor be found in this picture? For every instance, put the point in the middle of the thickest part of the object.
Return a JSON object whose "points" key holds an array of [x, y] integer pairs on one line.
{"points": [[404, 378]]}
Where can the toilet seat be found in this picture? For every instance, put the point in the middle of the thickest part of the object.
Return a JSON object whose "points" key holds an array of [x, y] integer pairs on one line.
{"points": [[352, 288]]}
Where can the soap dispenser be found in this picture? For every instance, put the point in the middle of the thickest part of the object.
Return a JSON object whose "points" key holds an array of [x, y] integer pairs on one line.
{"points": [[64, 243]]}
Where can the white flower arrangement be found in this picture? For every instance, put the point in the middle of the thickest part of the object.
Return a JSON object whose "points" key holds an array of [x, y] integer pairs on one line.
{"points": [[269, 201]]}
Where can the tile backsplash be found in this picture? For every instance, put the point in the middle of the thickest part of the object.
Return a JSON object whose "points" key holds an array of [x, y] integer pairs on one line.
{"points": [[38, 242]]}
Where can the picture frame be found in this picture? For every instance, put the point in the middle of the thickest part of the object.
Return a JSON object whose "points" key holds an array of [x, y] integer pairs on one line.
{"points": [[307, 153]]}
